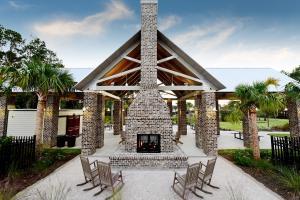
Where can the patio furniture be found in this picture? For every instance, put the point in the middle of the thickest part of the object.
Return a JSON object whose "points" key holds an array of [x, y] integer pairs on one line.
{"points": [[107, 178], [239, 135], [90, 173], [187, 182], [206, 174], [177, 138]]}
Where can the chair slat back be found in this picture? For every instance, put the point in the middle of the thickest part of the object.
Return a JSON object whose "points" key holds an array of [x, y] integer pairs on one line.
{"points": [[210, 168], [104, 171], [192, 174], [86, 167]]}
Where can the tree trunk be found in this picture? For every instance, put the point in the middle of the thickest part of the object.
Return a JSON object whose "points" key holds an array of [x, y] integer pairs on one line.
{"points": [[40, 119], [254, 132]]}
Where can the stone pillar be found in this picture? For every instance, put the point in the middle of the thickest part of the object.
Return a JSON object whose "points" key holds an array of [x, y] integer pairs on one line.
{"points": [[294, 117], [182, 126], [89, 123], [209, 123], [51, 121], [117, 117], [218, 116], [3, 115], [198, 126], [169, 103], [100, 116], [246, 129]]}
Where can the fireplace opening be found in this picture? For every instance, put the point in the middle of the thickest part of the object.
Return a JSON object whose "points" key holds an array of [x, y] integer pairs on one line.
{"points": [[148, 143]]}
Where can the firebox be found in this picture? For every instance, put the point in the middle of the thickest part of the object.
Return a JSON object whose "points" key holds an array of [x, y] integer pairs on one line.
{"points": [[148, 143]]}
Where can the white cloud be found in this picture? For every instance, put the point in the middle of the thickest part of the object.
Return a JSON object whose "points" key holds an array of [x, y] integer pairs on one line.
{"points": [[90, 25], [207, 37], [18, 6], [169, 22]]}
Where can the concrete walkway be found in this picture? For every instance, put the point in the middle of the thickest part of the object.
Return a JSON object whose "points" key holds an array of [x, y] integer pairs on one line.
{"points": [[150, 184]]}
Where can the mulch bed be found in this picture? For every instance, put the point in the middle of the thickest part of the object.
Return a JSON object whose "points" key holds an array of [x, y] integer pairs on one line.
{"points": [[27, 178], [267, 177]]}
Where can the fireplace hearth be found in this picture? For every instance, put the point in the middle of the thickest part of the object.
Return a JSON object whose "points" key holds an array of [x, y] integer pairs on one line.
{"points": [[148, 143]]}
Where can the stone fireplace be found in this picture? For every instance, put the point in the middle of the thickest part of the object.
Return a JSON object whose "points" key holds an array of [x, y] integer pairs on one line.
{"points": [[149, 113]]}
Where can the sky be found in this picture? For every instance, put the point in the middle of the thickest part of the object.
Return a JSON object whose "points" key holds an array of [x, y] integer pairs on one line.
{"points": [[216, 33]]}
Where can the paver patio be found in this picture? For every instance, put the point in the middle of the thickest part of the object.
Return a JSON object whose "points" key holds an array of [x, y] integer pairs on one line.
{"points": [[154, 184]]}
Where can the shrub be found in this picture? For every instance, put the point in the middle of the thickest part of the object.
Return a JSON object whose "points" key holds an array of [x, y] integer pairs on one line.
{"points": [[291, 179], [243, 158]]}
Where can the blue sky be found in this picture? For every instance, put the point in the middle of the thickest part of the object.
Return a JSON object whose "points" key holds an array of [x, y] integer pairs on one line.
{"points": [[216, 33]]}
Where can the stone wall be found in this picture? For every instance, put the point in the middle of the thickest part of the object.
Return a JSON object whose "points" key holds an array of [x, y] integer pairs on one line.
{"points": [[117, 114], [182, 125], [198, 126], [294, 117], [3, 114], [51, 121], [92, 125], [206, 123]]}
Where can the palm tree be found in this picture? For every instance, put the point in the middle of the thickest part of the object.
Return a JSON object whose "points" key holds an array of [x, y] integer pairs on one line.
{"points": [[41, 78], [257, 96]]}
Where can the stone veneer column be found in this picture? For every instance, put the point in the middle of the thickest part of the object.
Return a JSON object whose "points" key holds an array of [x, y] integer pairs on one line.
{"points": [[169, 103], [218, 116], [246, 129], [182, 126], [3, 115], [198, 126], [89, 123], [117, 117], [208, 121], [100, 116], [51, 121], [294, 117]]}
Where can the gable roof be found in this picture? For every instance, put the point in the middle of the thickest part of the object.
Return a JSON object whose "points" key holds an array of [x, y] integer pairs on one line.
{"points": [[201, 72], [230, 77]]}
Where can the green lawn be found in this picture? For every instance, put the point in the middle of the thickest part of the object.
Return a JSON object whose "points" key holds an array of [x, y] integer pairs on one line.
{"points": [[261, 124]]}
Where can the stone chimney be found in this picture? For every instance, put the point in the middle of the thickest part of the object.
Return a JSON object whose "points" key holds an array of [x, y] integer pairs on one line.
{"points": [[149, 114], [149, 44]]}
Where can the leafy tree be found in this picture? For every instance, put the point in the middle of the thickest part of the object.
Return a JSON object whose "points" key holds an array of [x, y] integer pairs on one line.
{"points": [[36, 49], [233, 112], [257, 96], [11, 47], [41, 78], [292, 90]]}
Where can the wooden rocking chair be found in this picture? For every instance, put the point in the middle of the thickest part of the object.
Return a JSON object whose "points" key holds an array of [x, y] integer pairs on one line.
{"points": [[90, 173], [108, 179], [187, 181], [177, 138], [205, 175]]}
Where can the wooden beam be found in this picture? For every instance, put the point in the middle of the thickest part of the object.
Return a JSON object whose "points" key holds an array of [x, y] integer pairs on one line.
{"points": [[178, 74], [120, 74], [132, 59], [104, 94], [134, 88], [181, 87], [192, 94], [166, 59]]}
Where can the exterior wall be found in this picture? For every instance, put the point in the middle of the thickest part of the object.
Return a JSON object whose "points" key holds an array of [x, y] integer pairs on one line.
{"points": [[294, 117], [182, 125], [22, 122], [51, 121], [3, 115]]}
